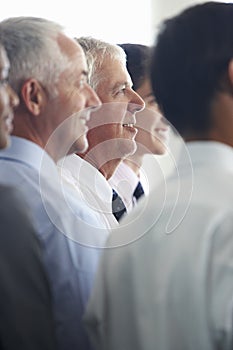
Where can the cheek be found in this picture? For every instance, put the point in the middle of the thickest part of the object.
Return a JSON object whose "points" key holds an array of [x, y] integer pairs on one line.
{"points": [[70, 99], [107, 115], [111, 131], [71, 103], [142, 136], [69, 108], [147, 121], [117, 112]]}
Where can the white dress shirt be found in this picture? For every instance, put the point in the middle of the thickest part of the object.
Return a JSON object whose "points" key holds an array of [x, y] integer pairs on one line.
{"points": [[91, 186], [68, 232], [169, 283]]}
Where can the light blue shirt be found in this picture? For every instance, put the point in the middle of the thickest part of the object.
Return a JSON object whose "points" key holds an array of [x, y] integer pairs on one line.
{"points": [[67, 230]]}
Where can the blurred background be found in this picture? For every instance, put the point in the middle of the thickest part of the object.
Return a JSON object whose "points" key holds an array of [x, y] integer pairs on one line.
{"points": [[116, 21]]}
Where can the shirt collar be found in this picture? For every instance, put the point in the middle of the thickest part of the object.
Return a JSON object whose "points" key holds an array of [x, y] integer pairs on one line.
{"points": [[125, 174], [87, 175], [29, 153]]}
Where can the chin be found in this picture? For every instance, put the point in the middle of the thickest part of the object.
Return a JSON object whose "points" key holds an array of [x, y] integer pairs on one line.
{"points": [[80, 146], [128, 148]]}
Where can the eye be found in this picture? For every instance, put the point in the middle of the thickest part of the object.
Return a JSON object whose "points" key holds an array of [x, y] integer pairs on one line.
{"points": [[151, 101], [121, 90]]}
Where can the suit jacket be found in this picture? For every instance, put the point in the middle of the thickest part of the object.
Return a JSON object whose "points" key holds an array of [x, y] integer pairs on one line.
{"points": [[26, 320]]}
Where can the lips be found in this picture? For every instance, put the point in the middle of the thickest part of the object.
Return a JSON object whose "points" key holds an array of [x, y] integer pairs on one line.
{"points": [[129, 123], [131, 129]]}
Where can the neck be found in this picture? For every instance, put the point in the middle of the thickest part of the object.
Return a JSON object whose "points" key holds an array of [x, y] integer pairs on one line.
{"points": [[108, 168], [105, 168], [50, 145]]}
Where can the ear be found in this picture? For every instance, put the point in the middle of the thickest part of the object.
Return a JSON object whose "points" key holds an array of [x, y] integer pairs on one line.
{"points": [[33, 95]]}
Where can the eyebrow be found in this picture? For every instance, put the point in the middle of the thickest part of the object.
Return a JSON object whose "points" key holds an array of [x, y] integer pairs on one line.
{"points": [[149, 95], [118, 85]]}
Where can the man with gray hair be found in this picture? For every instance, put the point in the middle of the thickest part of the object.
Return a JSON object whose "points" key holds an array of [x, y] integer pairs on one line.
{"points": [[112, 130], [49, 73], [176, 281]]}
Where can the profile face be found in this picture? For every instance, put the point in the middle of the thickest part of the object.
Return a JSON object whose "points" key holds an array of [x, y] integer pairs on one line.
{"points": [[70, 109], [113, 125], [153, 130], [8, 101]]}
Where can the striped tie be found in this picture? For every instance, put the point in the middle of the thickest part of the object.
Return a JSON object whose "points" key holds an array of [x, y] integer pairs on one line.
{"points": [[138, 192], [118, 207]]}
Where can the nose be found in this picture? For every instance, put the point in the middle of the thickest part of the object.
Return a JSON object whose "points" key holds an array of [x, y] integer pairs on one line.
{"points": [[93, 99], [13, 97], [136, 103]]}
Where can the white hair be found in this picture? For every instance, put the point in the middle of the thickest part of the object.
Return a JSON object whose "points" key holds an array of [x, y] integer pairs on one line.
{"points": [[32, 48], [96, 52]]}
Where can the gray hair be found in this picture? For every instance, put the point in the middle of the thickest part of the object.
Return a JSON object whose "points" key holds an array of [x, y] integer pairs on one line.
{"points": [[96, 52], [33, 51]]}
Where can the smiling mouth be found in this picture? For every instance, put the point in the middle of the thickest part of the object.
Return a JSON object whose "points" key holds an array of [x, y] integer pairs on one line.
{"points": [[129, 125]]}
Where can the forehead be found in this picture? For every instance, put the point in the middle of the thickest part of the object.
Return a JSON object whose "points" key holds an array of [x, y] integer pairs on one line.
{"points": [[114, 72]]}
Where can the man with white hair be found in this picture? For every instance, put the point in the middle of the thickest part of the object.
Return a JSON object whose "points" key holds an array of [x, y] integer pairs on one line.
{"points": [[112, 130], [49, 73]]}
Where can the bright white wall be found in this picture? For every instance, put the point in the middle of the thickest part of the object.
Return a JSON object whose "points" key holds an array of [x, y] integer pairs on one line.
{"points": [[114, 21]]}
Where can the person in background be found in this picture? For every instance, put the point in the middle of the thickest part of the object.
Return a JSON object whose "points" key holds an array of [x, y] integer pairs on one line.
{"points": [[111, 135], [172, 289], [26, 318], [152, 137], [49, 73]]}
